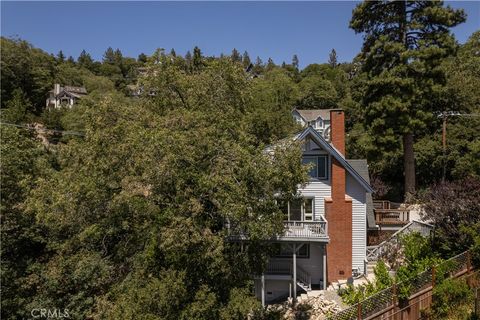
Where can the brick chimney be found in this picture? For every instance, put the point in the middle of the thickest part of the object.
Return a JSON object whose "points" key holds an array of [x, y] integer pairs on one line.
{"points": [[337, 127], [338, 209]]}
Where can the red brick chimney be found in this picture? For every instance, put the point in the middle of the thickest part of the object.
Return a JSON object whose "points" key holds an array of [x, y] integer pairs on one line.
{"points": [[338, 209], [337, 129]]}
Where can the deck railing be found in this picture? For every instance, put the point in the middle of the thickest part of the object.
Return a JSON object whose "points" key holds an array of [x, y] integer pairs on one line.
{"points": [[392, 216], [375, 252], [292, 230], [279, 267], [387, 212], [305, 229]]}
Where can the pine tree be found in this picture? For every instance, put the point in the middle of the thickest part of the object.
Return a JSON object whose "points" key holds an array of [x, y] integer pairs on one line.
{"points": [[236, 55], [173, 53], [295, 61], [60, 57], [404, 43], [197, 61], [270, 64], [246, 59], [109, 56], [70, 60], [142, 57], [332, 58], [188, 61], [85, 60], [118, 57]]}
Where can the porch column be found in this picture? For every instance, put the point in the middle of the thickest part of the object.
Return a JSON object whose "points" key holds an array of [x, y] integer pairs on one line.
{"points": [[263, 289], [324, 267], [294, 272]]}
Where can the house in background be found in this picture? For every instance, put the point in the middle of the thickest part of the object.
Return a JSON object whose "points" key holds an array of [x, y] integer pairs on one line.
{"points": [[65, 96], [325, 235]]}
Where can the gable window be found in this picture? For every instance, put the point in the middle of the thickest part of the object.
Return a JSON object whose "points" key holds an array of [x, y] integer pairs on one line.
{"points": [[318, 166]]}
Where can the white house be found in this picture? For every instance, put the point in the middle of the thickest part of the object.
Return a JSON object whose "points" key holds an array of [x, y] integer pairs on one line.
{"points": [[325, 234], [64, 96]]}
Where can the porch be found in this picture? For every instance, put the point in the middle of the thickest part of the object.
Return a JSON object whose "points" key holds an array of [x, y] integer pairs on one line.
{"points": [[299, 267]]}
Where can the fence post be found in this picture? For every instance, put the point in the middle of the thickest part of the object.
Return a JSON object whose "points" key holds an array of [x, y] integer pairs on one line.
{"points": [[359, 310], [477, 302], [433, 276], [394, 301], [469, 261]]}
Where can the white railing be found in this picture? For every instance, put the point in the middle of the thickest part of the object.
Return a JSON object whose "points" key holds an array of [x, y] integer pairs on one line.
{"points": [[305, 229], [292, 230], [279, 267], [285, 267], [375, 252], [304, 278]]}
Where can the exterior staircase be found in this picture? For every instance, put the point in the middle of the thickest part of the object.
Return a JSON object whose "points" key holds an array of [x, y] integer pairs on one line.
{"points": [[375, 252], [304, 280]]}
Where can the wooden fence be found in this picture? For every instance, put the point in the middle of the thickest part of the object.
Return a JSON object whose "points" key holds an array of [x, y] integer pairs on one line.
{"points": [[387, 304]]}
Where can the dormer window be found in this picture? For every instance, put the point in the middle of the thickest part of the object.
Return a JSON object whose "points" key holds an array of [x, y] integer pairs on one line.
{"points": [[312, 124], [319, 123], [318, 166]]}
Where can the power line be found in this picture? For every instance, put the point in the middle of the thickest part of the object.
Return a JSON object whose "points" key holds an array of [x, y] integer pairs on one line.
{"points": [[29, 127]]}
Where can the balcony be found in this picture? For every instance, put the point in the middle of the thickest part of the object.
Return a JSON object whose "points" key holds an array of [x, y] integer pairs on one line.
{"points": [[312, 231], [390, 213], [305, 230]]}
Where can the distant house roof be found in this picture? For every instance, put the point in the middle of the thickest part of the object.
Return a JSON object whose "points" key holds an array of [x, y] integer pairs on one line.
{"points": [[313, 114], [77, 90], [361, 166]]}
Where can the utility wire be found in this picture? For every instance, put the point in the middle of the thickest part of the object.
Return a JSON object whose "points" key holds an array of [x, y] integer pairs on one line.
{"points": [[73, 133]]}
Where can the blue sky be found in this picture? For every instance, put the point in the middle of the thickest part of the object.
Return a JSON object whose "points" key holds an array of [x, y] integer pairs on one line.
{"points": [[265, 29]]}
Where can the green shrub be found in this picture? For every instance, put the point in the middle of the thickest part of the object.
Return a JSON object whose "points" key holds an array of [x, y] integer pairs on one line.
{"points": [[448, 296]]}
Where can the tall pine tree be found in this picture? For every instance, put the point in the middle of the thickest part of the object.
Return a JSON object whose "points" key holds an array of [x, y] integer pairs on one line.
{"points": [[404, 44], [295, 61], [332, 58]]}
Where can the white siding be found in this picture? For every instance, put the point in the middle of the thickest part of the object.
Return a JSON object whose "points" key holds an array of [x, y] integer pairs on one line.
{"points": [[319, 190], [359, 222]]}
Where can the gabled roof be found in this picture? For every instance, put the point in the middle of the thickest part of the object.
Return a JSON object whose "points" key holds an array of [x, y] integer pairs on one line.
{"points": [[313, 114], [334, 153], [68, 93], [77, 90]]}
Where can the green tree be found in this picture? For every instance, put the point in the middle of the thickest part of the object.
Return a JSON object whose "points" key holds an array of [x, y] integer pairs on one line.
{"points": [[332, 58], [235, 56], [295, 62], [404, 44], [246, 59], [197, 61], [24, 160], [142, 57], [60, 57], [85, 60], [28, 69]]}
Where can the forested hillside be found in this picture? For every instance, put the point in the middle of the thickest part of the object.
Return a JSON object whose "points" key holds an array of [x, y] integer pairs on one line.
{"points": [[120, 213]]}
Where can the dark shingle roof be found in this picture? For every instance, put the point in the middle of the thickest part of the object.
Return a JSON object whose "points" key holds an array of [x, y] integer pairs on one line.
{"points": [[361, 166], [313, 114], [77, 90]]}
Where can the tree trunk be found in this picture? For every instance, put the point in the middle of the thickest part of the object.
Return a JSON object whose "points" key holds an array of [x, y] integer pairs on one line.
{"points": [[409, 165]]}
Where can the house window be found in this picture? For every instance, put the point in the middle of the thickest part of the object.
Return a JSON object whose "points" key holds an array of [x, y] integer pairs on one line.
{"points": [[298, 209], [318, 166], [286, 251]]}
